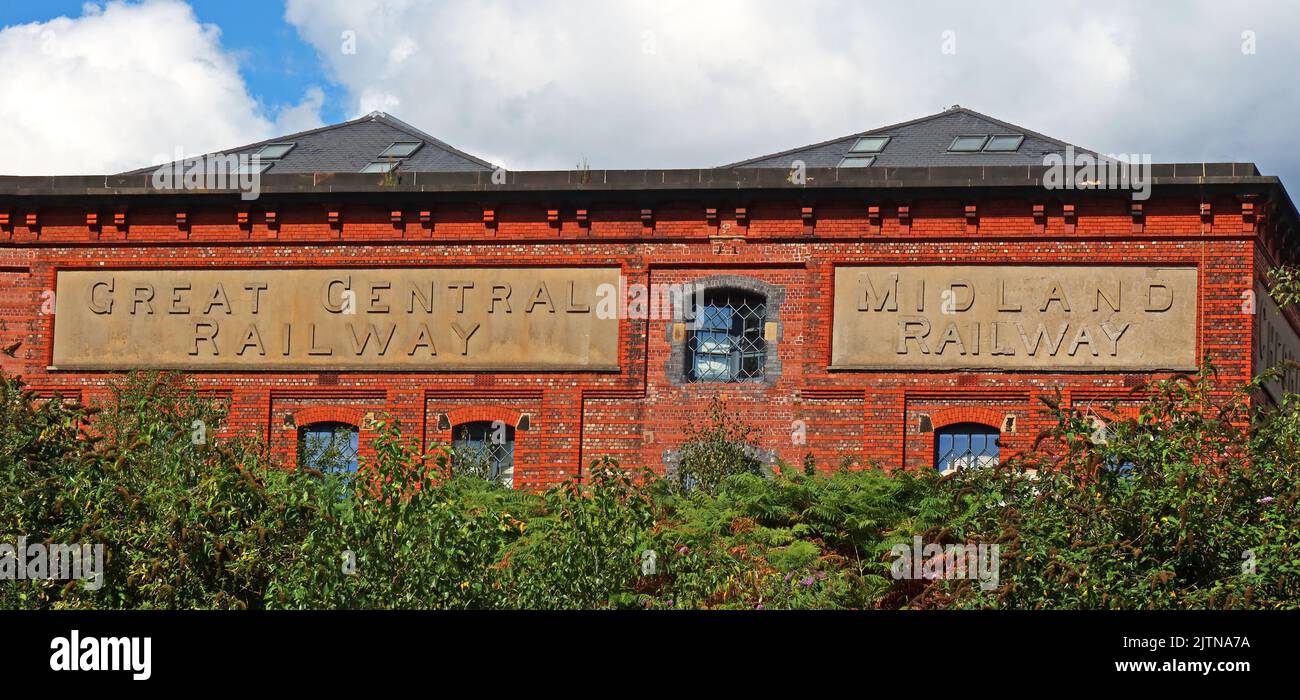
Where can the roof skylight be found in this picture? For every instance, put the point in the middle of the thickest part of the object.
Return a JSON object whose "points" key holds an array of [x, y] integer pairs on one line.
{"points": [[870, 144], [856, 161], [1004, 142], [251, 168], [385, 166], [275, 151], [401, 149], [967, 144]]}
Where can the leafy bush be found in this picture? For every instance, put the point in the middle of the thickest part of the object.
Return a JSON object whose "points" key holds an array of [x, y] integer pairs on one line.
{"points": [[1191, 503], [795, 541], [584, 550], [715, 451], [400, 533], [186, 521], [1186, 505]]}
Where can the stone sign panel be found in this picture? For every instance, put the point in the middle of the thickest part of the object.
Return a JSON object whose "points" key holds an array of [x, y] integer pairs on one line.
{"points": [[1014, 317], [407, 319]]}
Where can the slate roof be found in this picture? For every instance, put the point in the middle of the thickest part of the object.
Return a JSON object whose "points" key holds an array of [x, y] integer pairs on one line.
{"points": [[349, 146], [923, 142]]}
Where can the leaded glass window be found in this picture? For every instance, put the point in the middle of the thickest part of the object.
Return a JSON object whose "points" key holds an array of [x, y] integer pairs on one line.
{"points": [[485, 449], [965, 445], [725, 343], [328, 447]]}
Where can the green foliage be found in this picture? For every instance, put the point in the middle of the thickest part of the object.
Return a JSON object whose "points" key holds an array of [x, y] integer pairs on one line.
{"points": [[1284, 285], [1184, 506], [1189, 504], [400, 533], [715, 451], [794, 541], [186, 521], [584, 551]]}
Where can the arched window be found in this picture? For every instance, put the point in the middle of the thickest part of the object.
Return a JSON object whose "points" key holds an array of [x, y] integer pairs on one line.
{"points": [[485, 449], [328, 447], [725, 341], [965, 445]]}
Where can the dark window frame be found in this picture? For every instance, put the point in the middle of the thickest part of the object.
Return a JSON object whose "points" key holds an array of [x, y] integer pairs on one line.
{"points": [[286, 148], [775, 297], [1020, 140], [335, 428], [854, 160], [884, 142], [473, 440], [952, 147], [965, 445], [416, 146], [724, 342]]}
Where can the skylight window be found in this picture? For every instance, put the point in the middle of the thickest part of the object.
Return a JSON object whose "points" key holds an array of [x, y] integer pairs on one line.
{"points": [[967, 144], [251, 168], [870, 144], [1004, 142], [386, 166], [401, 149], [275, 151], [856, 161]]}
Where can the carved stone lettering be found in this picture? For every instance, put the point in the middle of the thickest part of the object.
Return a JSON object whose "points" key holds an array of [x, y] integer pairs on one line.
{"points": [[467, 319], [1014, 318]]}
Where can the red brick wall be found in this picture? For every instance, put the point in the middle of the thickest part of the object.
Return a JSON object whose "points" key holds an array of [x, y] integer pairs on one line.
{"points": [[638, 414]]}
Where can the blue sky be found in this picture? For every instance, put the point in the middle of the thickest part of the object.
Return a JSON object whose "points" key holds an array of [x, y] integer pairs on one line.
{"points": [[546, 84], [273, 60]]}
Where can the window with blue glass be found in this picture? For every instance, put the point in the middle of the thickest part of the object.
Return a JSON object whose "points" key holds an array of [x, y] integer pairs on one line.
{"points": [[965, 445], [485, 449], [725, 342], [329, 447]]}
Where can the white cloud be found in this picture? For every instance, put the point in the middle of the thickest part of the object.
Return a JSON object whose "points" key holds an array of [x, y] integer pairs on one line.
{"points": [[665, 83], [683, 83], [120, 87]]}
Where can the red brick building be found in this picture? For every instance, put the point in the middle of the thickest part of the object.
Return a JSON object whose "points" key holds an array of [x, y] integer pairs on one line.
{"points": [[891, 296]]}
